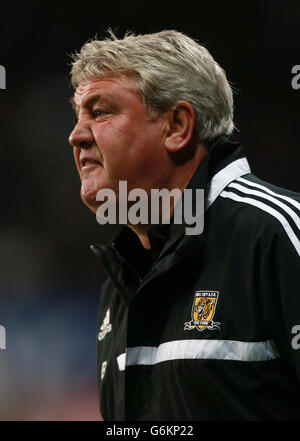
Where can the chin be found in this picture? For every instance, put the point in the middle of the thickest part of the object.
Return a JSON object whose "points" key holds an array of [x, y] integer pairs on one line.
{"points": [[88, 192], [89, 201]]}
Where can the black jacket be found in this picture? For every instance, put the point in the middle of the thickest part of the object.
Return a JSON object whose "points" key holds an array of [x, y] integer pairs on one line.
{"points": [[206, 327]]}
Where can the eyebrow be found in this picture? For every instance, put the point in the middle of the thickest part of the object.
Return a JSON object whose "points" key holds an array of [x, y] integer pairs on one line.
{"points": [[86, 102]]}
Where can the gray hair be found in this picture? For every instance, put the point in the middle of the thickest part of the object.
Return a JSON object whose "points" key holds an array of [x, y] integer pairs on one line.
{"points": [[168, 67]]}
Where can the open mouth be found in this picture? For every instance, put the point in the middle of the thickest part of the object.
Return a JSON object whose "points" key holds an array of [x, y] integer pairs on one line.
{"points": [[88, 163]]}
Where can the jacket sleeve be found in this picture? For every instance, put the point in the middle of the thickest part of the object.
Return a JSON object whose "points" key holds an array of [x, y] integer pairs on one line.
{"points": [[280, 295]]}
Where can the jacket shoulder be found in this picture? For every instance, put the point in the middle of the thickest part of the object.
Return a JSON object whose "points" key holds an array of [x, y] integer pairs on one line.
{"points": [[263, 208], [253, 181]]}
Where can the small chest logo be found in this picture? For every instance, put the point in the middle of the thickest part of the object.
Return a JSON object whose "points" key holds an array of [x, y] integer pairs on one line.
{"points": [[103, 369], [203, 311], [106, 326]]}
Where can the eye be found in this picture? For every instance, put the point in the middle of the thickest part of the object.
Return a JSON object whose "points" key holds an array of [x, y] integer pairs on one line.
{"points": [[99, 112]]}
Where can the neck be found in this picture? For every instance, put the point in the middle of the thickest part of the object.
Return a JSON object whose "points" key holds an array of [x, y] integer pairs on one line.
{"points": [[179, 178], [141, 232]]}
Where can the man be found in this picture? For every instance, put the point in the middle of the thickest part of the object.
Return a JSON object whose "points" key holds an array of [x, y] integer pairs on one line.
{"points": [[190, 327]]}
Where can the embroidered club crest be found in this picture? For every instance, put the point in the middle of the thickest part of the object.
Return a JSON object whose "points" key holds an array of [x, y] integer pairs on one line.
{"points": [[203, 311]]}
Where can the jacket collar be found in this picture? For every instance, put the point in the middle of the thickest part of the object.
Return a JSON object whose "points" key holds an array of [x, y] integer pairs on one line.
{"points": [[224, 163]]}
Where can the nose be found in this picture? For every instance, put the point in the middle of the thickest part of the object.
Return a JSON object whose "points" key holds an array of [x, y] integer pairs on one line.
{"points": [[81, 137]]}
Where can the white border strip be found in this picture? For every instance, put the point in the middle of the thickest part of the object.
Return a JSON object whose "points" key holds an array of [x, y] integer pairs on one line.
{"points": [[260, 194], [293, 238], [121, 359], [228, 174], [286, 198], [197, 350]]}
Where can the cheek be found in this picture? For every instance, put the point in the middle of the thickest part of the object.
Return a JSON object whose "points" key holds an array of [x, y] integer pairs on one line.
{"points": [[114, 141], [102, 130], [127, 146]]}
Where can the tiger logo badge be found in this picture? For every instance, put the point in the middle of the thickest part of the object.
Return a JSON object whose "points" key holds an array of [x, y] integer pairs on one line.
{"points": [[203, 311]]}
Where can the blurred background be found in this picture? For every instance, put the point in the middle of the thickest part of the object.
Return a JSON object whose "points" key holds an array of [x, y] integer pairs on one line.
{"points": [[50, 281]]}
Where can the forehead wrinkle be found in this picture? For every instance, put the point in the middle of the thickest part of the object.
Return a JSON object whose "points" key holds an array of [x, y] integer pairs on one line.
{"points": [[95, 97], [73, 104]]}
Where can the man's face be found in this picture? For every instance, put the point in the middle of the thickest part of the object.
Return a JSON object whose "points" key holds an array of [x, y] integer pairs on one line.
{"points": [[114, 139]]}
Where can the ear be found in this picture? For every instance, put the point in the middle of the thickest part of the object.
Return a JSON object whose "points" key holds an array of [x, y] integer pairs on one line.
{"points": [[181, 125]]}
